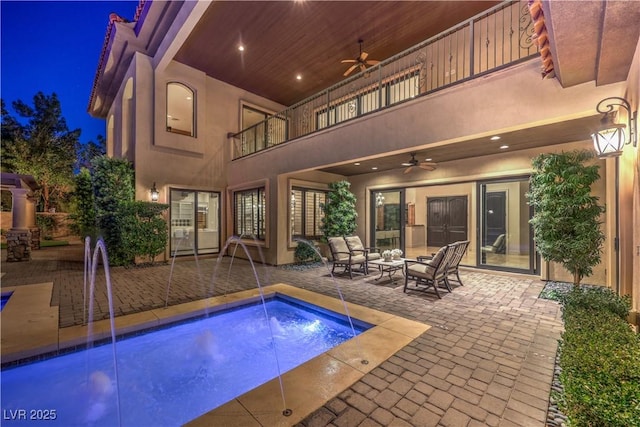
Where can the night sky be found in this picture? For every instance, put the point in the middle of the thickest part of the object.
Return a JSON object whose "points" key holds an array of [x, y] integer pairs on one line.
{"points": [[55, 46]]}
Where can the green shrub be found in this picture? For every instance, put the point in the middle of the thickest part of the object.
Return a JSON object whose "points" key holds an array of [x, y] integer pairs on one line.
{"points": [[113, 189], [305, 252], [84, 214], [46, 224], [600, 361], [144, 230]]}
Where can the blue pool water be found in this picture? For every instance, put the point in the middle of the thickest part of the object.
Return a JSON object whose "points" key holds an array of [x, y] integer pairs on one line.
{"points": [[3, 299], [169, 376]]}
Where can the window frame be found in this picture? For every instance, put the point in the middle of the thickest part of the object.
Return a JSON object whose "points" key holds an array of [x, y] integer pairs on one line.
{"points": [[317, 219], [260, 194], [169, 128]]}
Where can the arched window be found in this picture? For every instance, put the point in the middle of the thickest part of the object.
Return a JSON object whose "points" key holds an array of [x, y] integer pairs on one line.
{"points": [[180, 109]]}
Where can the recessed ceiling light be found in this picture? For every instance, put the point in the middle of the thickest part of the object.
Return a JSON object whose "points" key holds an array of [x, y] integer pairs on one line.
{"points": [[189, 98], [405, 164], [357, 163], [428, 159], [241, 48], [495, 138], [504, 147], [298, 77], [375, 168]]}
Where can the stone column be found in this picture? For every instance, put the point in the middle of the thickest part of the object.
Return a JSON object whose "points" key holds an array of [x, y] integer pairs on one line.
{"points": [[32, 224], [19, 236]]}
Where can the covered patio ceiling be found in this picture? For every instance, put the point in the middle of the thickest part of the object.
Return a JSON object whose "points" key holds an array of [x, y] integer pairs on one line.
{"points": [[522, 139]]}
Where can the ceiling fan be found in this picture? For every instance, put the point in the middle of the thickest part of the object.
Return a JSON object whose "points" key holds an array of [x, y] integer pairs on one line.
{"points": [[422, 165], [361, 61]]}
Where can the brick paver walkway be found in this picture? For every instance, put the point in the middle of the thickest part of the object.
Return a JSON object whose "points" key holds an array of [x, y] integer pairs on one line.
{"points": [[487, 361]]}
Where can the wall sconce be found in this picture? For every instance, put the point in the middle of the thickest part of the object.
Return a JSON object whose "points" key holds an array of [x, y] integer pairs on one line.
{"points": [[154, 193], [610, 139], [379, 199]]}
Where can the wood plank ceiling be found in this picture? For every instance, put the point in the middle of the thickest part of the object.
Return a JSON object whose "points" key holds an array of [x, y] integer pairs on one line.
{"points": [[310, 38]]}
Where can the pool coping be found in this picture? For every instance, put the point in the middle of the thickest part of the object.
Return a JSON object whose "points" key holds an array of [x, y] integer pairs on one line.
{"points": [[30, 329]]}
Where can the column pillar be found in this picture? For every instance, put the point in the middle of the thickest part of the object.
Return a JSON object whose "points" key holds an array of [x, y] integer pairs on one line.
{"points": [[19, 236]]}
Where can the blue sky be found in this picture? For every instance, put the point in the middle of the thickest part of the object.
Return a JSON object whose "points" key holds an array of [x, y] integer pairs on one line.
{"points": [[54, 46]]}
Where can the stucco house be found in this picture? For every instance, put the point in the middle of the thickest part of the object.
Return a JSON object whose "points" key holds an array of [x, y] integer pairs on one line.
{"points": [[241, 113]]}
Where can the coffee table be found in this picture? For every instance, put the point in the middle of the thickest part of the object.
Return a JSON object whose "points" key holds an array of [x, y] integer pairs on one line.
{"points": [[389, 267]]}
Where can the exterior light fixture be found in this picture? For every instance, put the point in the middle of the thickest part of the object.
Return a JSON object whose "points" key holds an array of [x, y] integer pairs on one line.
{"points": [[154, 193], [609, 140]]}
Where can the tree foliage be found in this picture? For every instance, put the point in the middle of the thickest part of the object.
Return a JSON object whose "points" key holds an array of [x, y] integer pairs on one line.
{"points": [[84, 216], [40, 145], [113, 189], [339, 211], [87, 152], [145, 230], [566, 220], [129, 228]]}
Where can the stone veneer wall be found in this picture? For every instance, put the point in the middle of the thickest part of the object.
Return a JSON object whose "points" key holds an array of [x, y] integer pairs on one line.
{"points": [[18, 245]]}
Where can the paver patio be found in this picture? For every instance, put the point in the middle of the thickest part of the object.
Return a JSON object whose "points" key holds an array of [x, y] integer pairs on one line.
{"points": [[487, 360]]}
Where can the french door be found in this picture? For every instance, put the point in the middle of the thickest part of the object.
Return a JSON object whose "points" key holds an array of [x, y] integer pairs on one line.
{"points": [[388, 219], [446, 220]]}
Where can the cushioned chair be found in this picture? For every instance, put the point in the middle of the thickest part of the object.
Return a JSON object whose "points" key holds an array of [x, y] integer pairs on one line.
{"points": [[344, 257], [355, 244], [460, 248], [430, 271], [498, 247]]}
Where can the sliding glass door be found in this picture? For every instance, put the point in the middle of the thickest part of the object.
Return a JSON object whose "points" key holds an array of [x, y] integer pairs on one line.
{"points": [[388, 219], [195, 222], [505, 240]]}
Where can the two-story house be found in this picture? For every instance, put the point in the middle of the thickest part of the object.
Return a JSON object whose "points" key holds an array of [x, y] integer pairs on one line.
{"points": [[239, 114]]}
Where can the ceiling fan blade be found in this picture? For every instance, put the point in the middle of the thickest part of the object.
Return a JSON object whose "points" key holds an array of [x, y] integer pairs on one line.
{"points": [[434, 164], [427, 167], [347, 61], [350, 69], [362, 67], [363, 56], [407, 170], [372, 62]]}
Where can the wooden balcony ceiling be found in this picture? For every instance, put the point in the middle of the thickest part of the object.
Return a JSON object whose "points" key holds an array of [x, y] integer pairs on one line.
{"points": [[310, 38]]}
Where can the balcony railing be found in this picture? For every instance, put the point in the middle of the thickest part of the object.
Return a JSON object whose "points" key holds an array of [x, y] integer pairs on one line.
{"points": [[499, 37]]}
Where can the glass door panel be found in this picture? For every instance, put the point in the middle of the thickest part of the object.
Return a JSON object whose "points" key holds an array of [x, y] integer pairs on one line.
{"points": [[195, 222], [505, 235], [388, 219], [208, 221], [183, 222]]}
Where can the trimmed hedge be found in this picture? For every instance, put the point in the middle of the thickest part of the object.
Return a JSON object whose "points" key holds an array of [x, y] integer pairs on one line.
{"points": [[599, 360]]}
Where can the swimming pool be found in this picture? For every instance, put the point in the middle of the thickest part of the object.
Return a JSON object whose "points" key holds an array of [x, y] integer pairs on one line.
{"points": [[4, 298], [172, 375]]}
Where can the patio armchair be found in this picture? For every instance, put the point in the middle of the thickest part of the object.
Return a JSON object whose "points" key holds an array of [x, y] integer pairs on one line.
{"points": [[453, 268], [430, 271], [344, 257], [499, 246], [355, 245]]}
